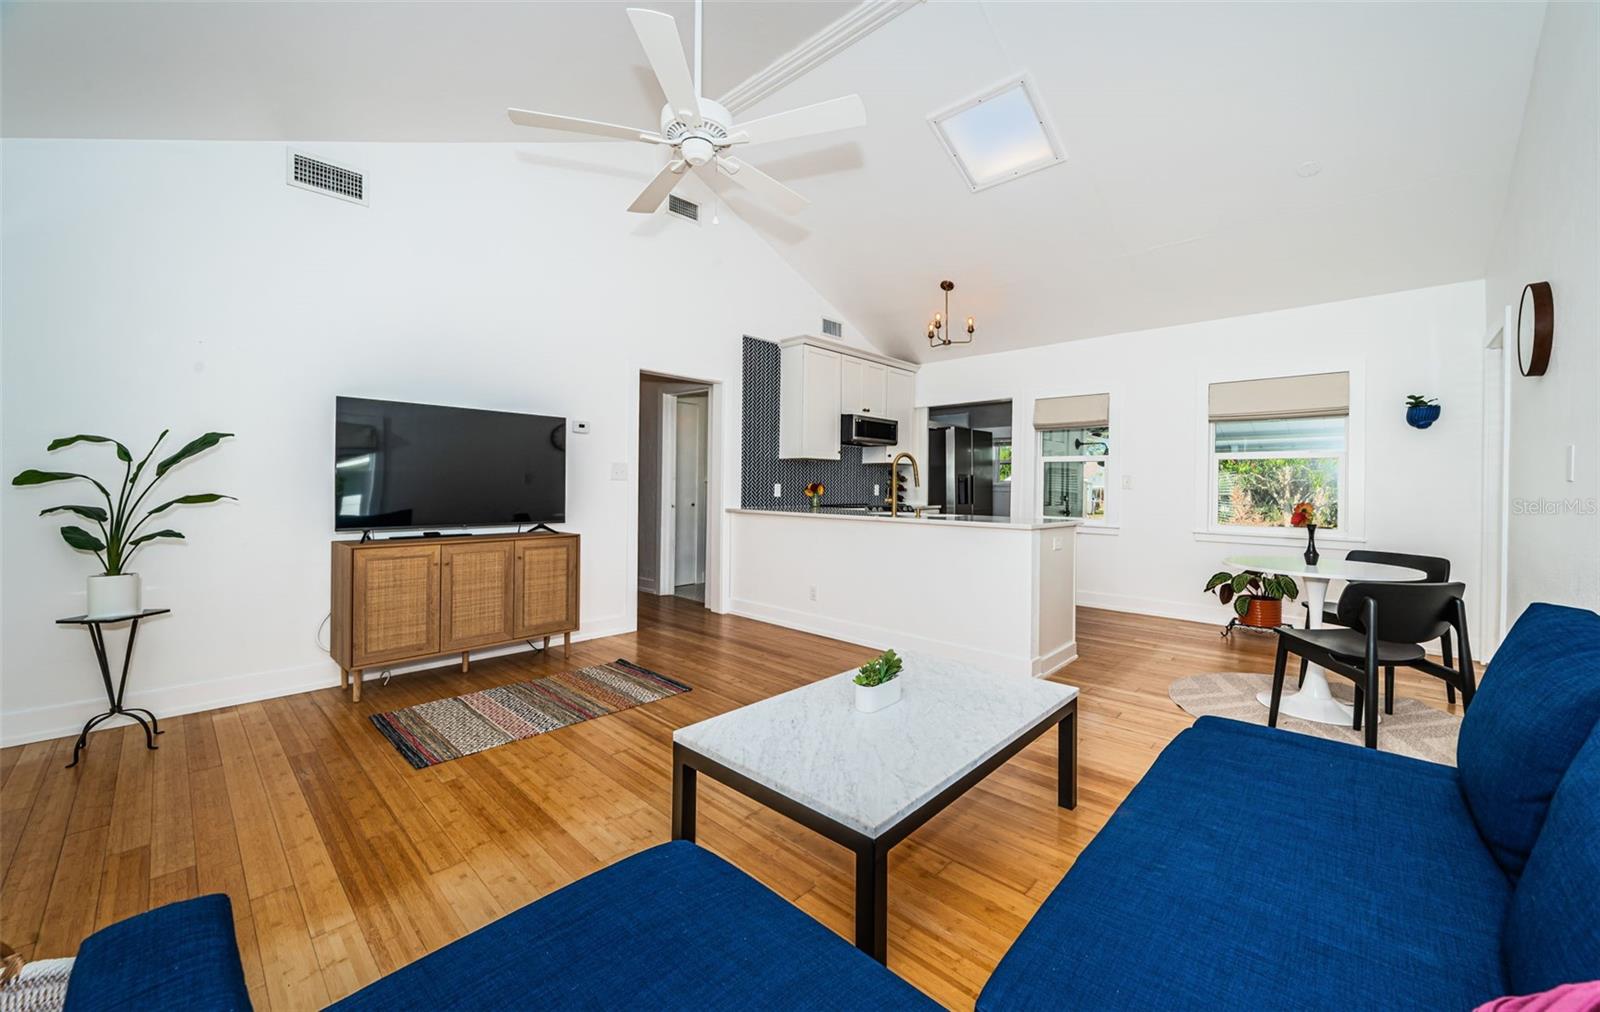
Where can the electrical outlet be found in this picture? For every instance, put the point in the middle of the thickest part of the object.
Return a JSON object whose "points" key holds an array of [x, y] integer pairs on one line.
{"points": [[877, 490], [777, 490], [1055, 544], [813, 593], [1127, 481], [619, 472]]}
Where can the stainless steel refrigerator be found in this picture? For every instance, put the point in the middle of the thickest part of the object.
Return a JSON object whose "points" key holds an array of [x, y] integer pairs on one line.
{"points": [[961, 470]]}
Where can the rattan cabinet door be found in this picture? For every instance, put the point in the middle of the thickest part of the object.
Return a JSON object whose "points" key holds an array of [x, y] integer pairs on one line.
{"points": [[547, 586], [475, 594], [396, 603]]}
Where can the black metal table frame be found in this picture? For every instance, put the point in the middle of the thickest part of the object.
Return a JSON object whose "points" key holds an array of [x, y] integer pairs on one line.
{"points": [[872, 853], [114, 695]]}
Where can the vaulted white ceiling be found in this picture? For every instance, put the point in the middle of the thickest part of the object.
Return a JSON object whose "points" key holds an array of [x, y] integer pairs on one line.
{"points": [[1180, 199], [366, 71], [1184, 127]]}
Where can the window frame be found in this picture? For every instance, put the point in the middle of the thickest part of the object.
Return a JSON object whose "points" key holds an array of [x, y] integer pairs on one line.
{"points": [[1007, 442], [1215, 526], [1352, 505], [1107, 520]]}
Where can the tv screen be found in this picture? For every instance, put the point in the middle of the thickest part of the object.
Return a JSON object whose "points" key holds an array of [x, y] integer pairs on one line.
{"points": [[399, 465]]}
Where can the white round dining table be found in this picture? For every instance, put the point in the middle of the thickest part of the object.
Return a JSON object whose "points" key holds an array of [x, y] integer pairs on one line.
{"points": [[1314, 701]]}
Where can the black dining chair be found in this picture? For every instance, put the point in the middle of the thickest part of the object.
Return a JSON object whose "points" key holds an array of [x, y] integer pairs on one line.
{"points": [[1437, 570], [1381, 626]]}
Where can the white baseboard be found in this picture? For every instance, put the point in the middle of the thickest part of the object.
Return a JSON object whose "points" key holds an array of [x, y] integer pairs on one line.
{"points": [[647, 585], [20, 727], [878, 638], [1056, 659]]}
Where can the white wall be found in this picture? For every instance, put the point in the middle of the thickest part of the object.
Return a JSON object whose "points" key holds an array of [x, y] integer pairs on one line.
{"points": [[1551, 232], [1421, 489], [184, 285]]}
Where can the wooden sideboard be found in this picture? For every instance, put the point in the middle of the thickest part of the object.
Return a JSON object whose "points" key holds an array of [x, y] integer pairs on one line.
{"points": [[410, 599]]}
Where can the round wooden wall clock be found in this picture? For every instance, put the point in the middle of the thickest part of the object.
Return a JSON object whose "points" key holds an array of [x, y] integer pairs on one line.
{"points": [[1536, 324]]}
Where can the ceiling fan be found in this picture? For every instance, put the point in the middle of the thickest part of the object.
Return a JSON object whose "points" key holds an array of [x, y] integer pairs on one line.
{"points": [[699, 131]]}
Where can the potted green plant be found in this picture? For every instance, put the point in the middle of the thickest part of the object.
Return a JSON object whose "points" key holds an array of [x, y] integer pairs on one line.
{"points": [[1421, 411], [878, 682], [119, 522], [1257, 598]]}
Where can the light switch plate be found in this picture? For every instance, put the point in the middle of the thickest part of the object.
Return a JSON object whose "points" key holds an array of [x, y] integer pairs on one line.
{"points": [[619, 472], [1127, 481], [777, 490]]}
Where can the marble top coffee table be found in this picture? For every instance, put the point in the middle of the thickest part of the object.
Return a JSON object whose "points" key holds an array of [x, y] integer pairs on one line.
{"points": [[867, 780]]}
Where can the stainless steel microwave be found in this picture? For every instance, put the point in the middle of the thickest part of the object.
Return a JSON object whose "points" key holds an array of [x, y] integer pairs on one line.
{"points": [[868, 430]]}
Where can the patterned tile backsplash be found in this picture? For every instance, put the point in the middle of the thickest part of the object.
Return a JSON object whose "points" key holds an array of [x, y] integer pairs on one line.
{"points": [[848, 480]]}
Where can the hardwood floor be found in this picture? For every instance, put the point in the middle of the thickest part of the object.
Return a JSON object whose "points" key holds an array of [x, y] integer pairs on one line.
{"points": [[343, 863]]}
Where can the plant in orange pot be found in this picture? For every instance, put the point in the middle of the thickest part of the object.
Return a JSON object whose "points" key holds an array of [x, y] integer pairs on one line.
{"points": [[1257, 598]]}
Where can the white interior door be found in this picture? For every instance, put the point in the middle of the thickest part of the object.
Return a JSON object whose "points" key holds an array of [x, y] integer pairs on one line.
{"points": [[689, 492]]}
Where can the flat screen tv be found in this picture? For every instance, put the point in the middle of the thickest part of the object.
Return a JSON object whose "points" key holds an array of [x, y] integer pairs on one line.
{"points": [[398, 465]]}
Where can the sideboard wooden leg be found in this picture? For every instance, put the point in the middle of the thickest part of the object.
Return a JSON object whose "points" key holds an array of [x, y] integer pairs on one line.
{"points": [[464, 656], [566, 644], [547, 643], [355, 685], [344, 678]]}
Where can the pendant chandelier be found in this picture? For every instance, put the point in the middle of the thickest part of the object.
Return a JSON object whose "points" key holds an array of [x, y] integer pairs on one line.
{"points": [[940, 328]]}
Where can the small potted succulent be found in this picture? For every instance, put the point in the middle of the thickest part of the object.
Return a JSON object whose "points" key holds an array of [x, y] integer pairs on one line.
{"points": [[119, 522], [1421, 411], [1304, 515], [878, 682], [1257, 598], [815, 491]]}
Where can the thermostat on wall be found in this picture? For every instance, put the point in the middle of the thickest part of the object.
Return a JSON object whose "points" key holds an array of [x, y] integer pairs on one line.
{"points": [[580, 428]]}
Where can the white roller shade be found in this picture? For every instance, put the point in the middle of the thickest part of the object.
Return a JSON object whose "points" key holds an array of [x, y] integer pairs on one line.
{"points": [[1081, 412], [1314, 396]]}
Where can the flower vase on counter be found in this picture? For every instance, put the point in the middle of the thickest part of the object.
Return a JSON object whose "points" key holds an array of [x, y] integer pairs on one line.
{"points": [[815, 492], [1305, 515]]}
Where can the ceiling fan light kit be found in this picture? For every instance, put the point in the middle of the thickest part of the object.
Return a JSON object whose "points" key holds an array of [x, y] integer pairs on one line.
{"points": [[940, 329], [701, 132]]}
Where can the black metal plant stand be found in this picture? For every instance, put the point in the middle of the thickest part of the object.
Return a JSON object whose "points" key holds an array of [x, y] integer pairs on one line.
{"points": [[114, 695]]}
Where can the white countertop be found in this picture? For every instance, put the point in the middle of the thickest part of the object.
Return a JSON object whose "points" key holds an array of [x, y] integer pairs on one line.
{"points": [[869, 770], [987, 523]]}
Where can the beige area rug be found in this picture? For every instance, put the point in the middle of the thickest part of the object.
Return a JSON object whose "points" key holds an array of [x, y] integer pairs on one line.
{"points": [[1414, 729]]}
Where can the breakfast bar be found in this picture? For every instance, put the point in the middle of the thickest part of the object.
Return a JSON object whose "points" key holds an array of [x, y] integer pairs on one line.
{"points": [[992, 592]]}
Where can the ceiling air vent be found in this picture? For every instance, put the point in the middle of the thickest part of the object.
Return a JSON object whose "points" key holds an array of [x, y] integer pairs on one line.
{"points": [[325, 177], [683, 208], [832, 328]]}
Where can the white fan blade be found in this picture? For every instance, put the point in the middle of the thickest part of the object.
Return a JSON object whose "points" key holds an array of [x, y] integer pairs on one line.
{"points": [[658, 34], [763, 186], [834, 114], [651, 196], [593, 127]]}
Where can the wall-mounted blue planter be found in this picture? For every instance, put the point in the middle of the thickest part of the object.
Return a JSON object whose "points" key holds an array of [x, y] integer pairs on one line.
{"points": [[1422, 416]]}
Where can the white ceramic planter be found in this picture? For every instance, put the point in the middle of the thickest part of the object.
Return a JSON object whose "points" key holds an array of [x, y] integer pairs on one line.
{"points": [[113, 595], [872, 698]]}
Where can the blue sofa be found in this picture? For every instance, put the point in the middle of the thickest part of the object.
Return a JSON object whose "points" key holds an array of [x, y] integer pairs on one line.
{"points": [[1251, 868], [1259, 869]]}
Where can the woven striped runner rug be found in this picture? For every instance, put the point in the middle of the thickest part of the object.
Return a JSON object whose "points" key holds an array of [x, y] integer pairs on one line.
{"points": [[431, 733]]}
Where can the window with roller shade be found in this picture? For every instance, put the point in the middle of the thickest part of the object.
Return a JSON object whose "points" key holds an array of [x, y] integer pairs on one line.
{"points": [[1074, 455], [1278, 442]]}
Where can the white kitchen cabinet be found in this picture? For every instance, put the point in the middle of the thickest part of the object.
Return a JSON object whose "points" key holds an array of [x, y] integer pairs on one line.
{"points": [[824, 379], [809, 405], [900, 387], [863, 387]]}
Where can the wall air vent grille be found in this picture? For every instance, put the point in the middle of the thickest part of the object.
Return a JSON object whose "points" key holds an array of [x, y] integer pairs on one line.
{"points": [[832, 328], [324, 177], [683, 208]]}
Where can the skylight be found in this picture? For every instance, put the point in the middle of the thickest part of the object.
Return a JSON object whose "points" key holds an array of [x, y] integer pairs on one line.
{"points": [[999, 135]]}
